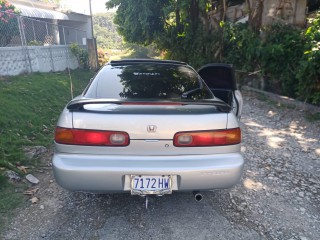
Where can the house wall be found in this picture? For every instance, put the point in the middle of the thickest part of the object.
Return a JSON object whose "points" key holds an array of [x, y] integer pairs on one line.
{"points": [[71, 34], [288, 11], [80, 21], [18, 60]]}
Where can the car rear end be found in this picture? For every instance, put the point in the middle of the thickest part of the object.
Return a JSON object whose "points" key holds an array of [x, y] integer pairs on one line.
{"points": [[147, 128]]}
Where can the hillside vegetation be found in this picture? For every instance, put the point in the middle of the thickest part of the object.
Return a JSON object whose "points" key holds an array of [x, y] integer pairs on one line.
{"points": [[106, 31]]}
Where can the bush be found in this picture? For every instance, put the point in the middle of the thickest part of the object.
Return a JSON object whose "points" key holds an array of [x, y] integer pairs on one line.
{"points": [[281, 51], [35, 43], [81, 55], [242, 47], [9, 26], [102, 57], [286, 57], [309, 71]]}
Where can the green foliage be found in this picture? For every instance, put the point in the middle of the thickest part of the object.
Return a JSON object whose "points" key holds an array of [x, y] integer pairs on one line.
{"points": [[106, 31], [35, 43], [8, 23], [312, 117], [287, 57], [281, 52], [9, 199], [242, 47], [51, 1], [81, 54], [138, 51], [139, 21], [309, 69]]}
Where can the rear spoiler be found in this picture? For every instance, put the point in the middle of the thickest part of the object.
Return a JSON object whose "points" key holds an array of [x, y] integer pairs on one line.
{"points": [[77, 105], [137, 61]]}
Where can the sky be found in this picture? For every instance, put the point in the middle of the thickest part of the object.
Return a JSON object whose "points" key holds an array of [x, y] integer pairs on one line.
{"points": [[82, 6]]}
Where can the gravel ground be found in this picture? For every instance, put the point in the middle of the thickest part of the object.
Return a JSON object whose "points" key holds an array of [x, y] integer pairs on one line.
{"points": [[278, 197]]}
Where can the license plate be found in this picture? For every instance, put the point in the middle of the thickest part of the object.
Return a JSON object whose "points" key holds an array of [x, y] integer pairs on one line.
{"points": [[143, 185]]}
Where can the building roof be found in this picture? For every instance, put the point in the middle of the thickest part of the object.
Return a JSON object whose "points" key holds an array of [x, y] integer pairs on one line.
{"points": [[40, 13]]}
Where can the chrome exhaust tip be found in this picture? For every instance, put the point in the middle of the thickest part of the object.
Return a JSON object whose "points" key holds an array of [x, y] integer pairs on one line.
{"points": [[198, 196]]}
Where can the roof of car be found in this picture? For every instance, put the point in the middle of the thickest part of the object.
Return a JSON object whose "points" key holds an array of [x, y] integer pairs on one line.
{"points": [[132, 61]]}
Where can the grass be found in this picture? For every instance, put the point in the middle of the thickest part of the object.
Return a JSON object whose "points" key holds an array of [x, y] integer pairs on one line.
{"points": [[10, 197], [30, 106], [312, 117]]}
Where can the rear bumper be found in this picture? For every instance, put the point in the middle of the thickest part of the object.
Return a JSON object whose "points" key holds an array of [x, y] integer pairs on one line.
{"points": [[105, 173]]}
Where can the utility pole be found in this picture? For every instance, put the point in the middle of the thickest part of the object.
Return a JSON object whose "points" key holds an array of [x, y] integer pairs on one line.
{"points": [[96, 65], [91, 19]]}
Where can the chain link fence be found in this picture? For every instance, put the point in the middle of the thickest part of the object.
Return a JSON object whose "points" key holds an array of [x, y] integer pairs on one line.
{"points": [[32, 45], [16, 30]]}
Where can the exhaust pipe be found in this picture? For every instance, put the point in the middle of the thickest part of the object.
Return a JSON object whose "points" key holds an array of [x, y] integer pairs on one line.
{"points": [[198, 196]]}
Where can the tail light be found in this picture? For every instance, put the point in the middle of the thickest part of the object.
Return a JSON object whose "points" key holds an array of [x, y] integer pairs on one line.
{"points": [[91, 137], [153, 103], [207, 138]]}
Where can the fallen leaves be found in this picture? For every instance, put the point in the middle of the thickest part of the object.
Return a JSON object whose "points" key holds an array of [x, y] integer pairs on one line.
{"points": [[23, 169], [34, 200], [31, 191]]}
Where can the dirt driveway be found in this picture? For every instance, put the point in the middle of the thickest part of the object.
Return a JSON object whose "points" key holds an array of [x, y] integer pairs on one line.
{"points": [[278, 198]]}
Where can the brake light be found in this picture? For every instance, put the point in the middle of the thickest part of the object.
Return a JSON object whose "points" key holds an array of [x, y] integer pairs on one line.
{"points": [[153, 103], [91, 137], [207, 138]]}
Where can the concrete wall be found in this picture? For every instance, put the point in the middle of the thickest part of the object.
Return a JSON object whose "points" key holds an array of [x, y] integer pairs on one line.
{"points": [[18, 60], [287, 11]]}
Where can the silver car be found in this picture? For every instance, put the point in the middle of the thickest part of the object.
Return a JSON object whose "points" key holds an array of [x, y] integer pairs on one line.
{"points": [[151, 127]]}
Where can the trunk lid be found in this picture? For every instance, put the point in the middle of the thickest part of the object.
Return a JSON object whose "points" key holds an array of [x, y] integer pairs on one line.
{"points": [[150, 122], [218, 76]]}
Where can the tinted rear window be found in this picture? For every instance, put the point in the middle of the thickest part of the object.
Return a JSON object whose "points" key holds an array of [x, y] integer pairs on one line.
{"points": [[148, 80]]}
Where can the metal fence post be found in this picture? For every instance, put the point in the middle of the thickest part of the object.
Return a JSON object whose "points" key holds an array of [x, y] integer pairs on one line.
{"points": [[34, 32], [47, 28], [24, 44], [64, 36], [20, 29]]}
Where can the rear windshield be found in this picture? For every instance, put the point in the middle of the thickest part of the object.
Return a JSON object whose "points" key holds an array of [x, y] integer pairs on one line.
{"points": [[148, 81]]}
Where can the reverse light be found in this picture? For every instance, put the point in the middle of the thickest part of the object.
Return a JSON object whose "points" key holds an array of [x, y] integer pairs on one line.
{"points": [[207, 138], [91, 137]]}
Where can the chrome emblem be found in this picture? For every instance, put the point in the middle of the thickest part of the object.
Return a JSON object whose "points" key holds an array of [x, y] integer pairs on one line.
{"points": [[152, 128]]}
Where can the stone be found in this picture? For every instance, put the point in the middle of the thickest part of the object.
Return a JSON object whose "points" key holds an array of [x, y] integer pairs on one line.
{"points": [[32, 179], [13, 176], [303, 238], [34, 151]]}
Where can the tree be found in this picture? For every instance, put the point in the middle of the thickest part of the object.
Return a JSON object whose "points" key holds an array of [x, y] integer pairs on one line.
{"points": [[140, 21], [8, 23], [106, 31], [178, 27]]}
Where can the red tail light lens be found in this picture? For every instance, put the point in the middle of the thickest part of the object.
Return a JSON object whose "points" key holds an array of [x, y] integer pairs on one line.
{"points": [[207, 138], [153, 103], [91, 137]]}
